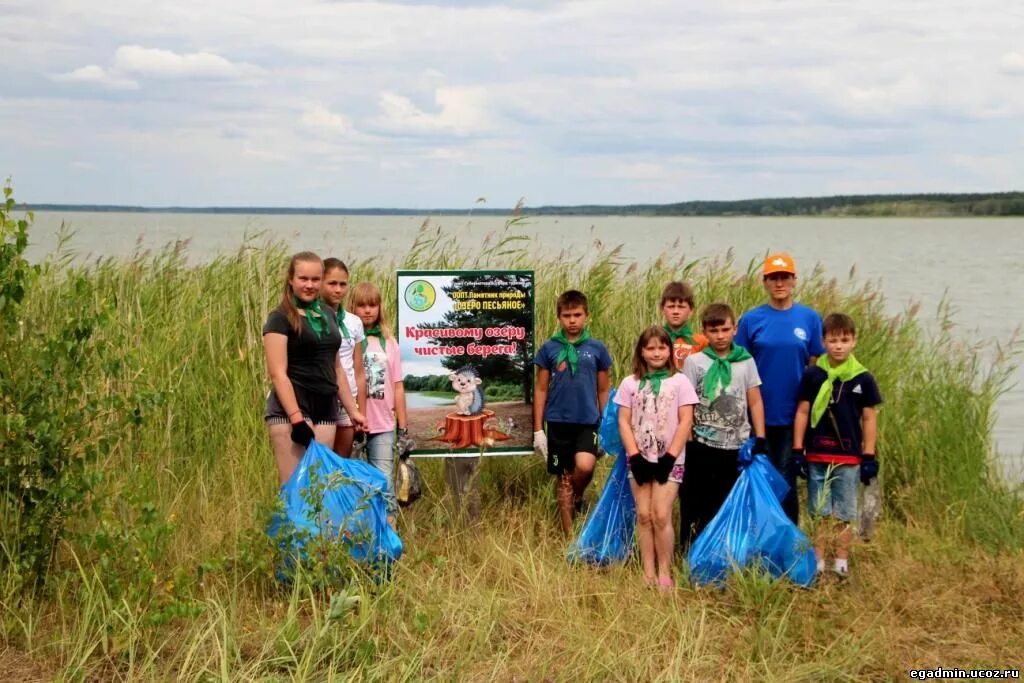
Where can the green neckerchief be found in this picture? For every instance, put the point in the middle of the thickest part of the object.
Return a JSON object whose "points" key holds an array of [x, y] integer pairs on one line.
{"points": [[655, 378], [685, 332], [844, 372], [568, 352], [315, 315], [719, 375], [375, 332], [340, 317]]}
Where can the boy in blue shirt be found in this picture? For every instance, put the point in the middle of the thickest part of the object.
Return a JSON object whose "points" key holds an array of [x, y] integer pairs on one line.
{"points": [[784, 337], [569, 395], [834, 437]]}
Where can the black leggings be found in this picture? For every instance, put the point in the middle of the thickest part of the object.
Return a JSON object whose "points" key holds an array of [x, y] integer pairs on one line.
{"points": [[780, 450], [708, 478]]}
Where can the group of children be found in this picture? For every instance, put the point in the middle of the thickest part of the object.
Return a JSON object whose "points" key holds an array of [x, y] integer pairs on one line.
{"points": [[333, 371], [692, 400]]}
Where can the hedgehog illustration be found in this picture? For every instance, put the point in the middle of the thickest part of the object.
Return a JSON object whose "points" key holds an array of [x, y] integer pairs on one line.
{"points": [[469, 394]]}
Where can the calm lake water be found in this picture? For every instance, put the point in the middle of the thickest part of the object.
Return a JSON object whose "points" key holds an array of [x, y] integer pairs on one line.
{"points": [[976, 264], [415, 399]]}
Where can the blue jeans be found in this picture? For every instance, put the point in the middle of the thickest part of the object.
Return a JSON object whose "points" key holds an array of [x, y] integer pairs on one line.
{"points": [[380, 452]]}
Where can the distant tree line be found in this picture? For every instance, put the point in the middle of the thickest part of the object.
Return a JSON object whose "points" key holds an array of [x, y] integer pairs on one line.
{"points": [[981, 204], [924, 205]]}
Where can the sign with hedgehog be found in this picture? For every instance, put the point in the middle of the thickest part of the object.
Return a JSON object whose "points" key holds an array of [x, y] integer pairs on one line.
{"points": [[466, 342]]}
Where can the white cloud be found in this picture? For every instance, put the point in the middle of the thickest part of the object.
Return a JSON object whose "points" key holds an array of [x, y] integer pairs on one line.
{"points": [[461, 110], [321, 119], [133, 63], [156, 63], [584, 101], [1012, 63], [96, 76]]}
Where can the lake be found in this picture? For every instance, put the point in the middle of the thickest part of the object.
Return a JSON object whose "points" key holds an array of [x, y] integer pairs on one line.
{"points": [[977, 264], [416, 399]]}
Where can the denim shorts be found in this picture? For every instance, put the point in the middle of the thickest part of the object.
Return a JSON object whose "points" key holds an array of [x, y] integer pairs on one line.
{"points": [[832, 490]]}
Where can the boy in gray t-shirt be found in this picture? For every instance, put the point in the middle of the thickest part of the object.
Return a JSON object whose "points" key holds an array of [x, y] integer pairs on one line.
{"points": [[727, 381]]}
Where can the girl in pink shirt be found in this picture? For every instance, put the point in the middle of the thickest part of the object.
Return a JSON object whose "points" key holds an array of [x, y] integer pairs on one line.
{"points": [[385, 393], [655, 416]]}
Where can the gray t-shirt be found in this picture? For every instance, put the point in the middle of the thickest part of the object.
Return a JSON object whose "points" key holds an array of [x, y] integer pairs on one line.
{"points": [[722, 423]]}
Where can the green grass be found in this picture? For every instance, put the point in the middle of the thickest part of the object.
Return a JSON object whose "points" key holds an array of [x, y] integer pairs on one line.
{"points": [[188, 591]]}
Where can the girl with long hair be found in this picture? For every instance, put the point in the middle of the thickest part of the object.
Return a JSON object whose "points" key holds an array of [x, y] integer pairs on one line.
{"points": [[301, 341], [385, 393], [655, 416], [350, 354]]}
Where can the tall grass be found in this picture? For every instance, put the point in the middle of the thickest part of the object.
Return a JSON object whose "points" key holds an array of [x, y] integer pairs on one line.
{"points": [[171, 576]]}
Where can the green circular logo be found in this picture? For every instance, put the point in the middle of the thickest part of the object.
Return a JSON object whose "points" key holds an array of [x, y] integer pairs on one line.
{"points": [[420, 295]]}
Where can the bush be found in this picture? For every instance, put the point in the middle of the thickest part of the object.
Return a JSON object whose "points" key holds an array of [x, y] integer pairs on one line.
{"points": [[58, 417]]}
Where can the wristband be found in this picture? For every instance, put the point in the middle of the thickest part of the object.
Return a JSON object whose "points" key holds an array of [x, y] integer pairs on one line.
{"points": [[294, 412]]}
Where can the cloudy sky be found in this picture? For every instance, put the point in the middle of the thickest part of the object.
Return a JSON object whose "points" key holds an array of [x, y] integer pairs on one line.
{"points": [[419, 105]]}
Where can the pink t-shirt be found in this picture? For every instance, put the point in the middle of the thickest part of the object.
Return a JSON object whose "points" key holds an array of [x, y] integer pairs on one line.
{"points": [[655, 419], [383, 369]]}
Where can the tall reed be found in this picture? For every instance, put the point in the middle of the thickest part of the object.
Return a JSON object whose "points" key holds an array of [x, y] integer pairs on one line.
{"points": [[171, 575]]}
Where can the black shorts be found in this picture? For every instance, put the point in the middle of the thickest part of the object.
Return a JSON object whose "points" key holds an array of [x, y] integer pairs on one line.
{"points": [[565, 440], [320, 409]]}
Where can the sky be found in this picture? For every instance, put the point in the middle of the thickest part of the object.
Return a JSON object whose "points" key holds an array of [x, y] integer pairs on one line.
{"points": [[427, 105]]}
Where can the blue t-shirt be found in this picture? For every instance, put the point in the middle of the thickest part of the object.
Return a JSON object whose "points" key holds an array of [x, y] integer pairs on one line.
{"points": [[781, 343], [573, 398]]}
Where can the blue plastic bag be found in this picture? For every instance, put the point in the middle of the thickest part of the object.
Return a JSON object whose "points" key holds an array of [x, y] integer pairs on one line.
{"points": [[607, 535], [775, 480], [353, 509], [752, 528], [608, 436]]}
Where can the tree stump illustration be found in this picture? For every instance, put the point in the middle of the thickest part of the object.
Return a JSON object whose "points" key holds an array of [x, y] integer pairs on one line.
{"points": [[464, 431]]}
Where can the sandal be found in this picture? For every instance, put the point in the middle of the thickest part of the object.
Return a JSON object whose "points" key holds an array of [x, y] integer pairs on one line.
{"points": [[666, 584]]}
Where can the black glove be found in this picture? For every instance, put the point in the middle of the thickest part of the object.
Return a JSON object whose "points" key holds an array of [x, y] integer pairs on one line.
{"points": [[760, 446], [302, 433], [663, 468], [797, 464], [868, 468], [641, 469]]}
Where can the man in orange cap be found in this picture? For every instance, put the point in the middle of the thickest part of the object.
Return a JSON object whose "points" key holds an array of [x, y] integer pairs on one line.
{"points": [[784, 337]]}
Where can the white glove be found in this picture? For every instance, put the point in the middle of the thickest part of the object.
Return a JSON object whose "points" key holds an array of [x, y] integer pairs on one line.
{"points": [[540, 442]]}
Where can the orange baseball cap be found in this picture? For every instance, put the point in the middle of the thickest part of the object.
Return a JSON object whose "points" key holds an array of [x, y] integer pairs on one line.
{"points": [[779, 263]]}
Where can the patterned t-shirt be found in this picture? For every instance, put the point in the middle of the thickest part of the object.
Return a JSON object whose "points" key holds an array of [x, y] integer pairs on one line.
{"points": [[722, 423], [383, 369], [348, 346], [654, 419]]}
